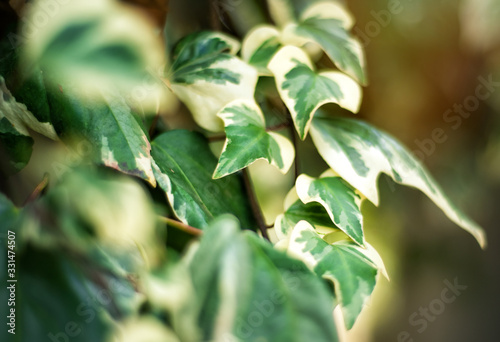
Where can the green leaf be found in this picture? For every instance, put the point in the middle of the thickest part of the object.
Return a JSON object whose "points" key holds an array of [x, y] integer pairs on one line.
{"points": [[16, 145], [259, 46], [183, 168], [358, 152], [252, 292], [74, 304], [97, 44], [327, 24], [118, 141], [344, 263], [20, 117], [295, 211], [304, 90], [247, 140], [207, 76], [338, 198]]}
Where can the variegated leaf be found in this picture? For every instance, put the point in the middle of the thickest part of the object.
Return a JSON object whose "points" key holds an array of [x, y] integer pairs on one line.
{"points": [[247, 140], [343, 263], [118, 141], [295, 211], [338, 198], [183, 166], [207, 76], [327, 24], [304, 90], [359, 152], [237, 274], [97, 44], [20, 117], [259, 47]]}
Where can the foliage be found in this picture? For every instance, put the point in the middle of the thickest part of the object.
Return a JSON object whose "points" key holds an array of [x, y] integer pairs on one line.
{"points": [[110, 247]]}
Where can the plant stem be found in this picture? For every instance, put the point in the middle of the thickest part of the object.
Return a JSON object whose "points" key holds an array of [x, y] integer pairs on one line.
{"points": [[38, 190], [255, 204], [181, 226], [296, 162]]}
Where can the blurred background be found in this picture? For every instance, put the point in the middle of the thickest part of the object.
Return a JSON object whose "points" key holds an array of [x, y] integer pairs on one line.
{"points": [[425, 61]]}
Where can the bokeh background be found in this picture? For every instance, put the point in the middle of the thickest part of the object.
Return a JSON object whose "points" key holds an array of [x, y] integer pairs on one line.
{"points": [[424, 57]]}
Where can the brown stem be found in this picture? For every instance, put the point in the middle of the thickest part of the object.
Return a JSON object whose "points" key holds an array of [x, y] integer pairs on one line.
{"points": [[293, 137], [38, 190], [255, 204], [181, 226]]}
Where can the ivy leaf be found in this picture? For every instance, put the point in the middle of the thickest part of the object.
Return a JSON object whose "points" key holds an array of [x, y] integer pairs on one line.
{"points": [[183, 168], [95, 43], [327, 24], [344, 263], [304, 90], [338, 198], [15, 144], [247, 140], [296, 210], [20, 117], [118, 141], [207, 76], [359, 152], [252, 292], [259, 46]]}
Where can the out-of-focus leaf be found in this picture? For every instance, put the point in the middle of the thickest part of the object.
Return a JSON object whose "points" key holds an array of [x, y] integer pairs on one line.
{"points": [[96, 43], [48, 283], [207, 76], [359, 152], [247, 140], [259, 47], [344, 263], [252, 292], [20, 117], [304, 90], [183, 167], [338, 198], [327, 24], [144, 329], [108, 124]]}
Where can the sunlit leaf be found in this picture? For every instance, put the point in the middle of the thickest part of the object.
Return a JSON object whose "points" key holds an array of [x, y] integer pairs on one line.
{"points": [[338, 198], [184, 165], [259, 47], [304, 90], [359, 152], [344, 263], [327, 24], [207, 76], [247, 140], [295, 210]]}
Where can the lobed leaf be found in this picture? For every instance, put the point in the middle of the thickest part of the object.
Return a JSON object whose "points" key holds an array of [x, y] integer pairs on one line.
{"points": [[343, 263], [304, 90], [338, 198], [327, 24], [259, 46], [359, 152], [251, 292], [207, 76], [247, 140]]}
